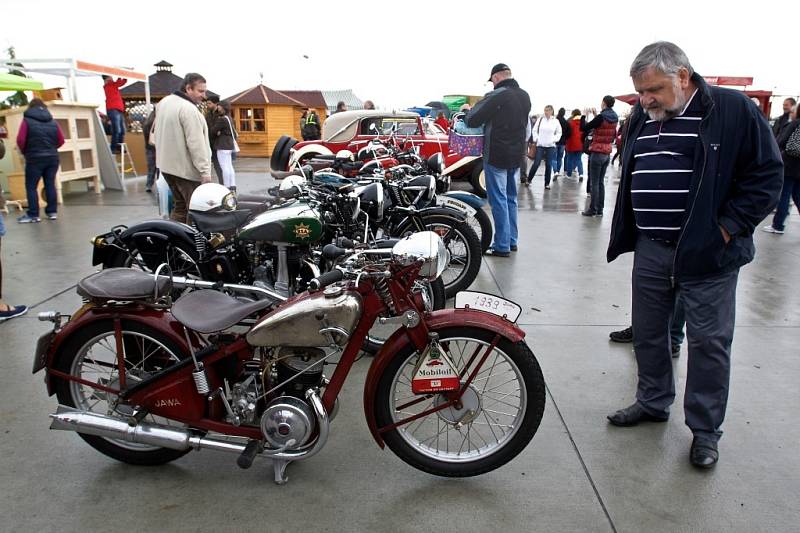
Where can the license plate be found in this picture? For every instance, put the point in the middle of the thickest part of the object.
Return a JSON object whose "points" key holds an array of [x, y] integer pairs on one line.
{"points": [[488, 303], [42, 346], [458, 205]]}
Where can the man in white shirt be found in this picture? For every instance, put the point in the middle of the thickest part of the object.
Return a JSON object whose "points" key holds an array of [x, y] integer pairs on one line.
{"points": [[545, 135]]}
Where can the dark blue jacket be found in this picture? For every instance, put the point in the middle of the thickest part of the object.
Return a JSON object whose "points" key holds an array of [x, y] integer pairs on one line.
{"points": [[42, 140], [736, 182], [503, 113]]}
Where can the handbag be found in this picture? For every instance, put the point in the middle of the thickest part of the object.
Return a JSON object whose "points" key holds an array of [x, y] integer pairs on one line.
{"points": [[532, 144], [465, 145], [793, 143], [233, 134]]}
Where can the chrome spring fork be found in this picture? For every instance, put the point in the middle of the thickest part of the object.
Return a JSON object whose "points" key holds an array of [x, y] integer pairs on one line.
{"points": [[382, 288]]}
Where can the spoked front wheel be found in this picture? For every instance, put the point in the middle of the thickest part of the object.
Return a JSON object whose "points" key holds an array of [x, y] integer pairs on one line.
{"points": [[496, 417]]}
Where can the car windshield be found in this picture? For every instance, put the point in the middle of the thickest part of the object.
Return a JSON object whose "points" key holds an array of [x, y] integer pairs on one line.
{"points": [[432, 129], [404, 126]]}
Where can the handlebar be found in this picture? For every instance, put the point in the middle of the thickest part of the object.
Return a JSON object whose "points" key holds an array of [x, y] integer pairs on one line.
{"points": [[320, 282]]}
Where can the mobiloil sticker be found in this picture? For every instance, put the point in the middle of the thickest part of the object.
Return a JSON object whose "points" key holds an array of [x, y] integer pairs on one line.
{"points": [[434, 372]]}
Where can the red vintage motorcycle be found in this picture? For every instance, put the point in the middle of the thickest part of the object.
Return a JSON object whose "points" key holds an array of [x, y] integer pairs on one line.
{"points": [[455, 392]]}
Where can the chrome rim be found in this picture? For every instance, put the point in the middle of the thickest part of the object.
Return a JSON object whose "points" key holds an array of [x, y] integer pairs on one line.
{"points": [[96, 362], [497, 398], [456, 244]]}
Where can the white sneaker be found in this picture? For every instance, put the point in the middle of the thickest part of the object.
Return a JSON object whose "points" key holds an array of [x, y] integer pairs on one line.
{"points": [[770, 229]]}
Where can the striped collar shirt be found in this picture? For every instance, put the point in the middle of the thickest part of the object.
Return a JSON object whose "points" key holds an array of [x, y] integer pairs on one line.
{"points": [[663, 163]]}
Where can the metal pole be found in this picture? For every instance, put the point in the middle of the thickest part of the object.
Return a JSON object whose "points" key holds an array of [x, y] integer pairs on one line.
{"points": [[147, 96]]}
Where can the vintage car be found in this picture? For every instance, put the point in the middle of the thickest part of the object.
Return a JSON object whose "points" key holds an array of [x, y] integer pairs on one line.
{"points": [[351, 130]]}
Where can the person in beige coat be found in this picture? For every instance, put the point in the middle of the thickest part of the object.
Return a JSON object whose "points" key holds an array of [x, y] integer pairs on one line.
{"points": [[183, 153]]}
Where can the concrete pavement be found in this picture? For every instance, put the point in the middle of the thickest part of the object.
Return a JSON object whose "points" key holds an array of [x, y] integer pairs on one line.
{"points": [[578, 473]]}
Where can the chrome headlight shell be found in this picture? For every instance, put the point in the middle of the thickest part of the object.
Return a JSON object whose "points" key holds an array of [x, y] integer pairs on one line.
{"points": [[425, 246], [229, 202]]}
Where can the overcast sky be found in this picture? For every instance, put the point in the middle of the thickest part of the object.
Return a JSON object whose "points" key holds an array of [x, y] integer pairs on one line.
{"points": [[401, 54]]}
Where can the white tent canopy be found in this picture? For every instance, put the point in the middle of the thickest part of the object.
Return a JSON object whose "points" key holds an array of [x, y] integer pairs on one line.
{"points": [[72, 68]]}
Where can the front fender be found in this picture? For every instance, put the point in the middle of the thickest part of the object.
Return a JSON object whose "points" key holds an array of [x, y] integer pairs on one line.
{"points": [[435, 321], [158, 319]]}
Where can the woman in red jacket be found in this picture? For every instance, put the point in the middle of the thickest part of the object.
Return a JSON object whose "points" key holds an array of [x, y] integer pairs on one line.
{"points": [[574, 146], [442, 122]]}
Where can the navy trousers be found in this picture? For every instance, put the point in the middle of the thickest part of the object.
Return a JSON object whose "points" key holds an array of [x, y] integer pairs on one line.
{"points": [[709, 305]]}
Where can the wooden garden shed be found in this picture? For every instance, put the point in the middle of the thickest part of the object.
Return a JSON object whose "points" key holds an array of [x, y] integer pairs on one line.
{"points": [[262, 115]]}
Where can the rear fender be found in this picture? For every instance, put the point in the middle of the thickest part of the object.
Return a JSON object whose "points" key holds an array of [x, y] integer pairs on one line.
{"points": [[472, 200], [452, 214], [160, 320], [435, 321], [151, 237]]}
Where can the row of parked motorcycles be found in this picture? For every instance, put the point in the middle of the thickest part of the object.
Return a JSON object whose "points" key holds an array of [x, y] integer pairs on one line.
{"points": [[217, 334]]}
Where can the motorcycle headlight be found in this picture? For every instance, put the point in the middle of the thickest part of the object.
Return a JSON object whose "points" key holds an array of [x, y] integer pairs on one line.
{"points": [[229, 202], [426, 246]]}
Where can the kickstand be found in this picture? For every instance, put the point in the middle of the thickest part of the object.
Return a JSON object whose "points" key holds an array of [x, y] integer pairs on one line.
{"points": [[279, 466]]}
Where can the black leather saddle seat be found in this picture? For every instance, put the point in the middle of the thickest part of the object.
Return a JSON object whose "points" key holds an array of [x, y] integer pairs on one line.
{"points": [[121, 284], [209, 311], [219, 221]]}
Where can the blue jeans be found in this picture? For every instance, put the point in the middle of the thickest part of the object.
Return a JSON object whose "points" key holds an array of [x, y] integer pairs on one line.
{"points": [[559, 157], [117, 119], [790, 191], [598, 164], [501, 188], [36, 169], [548, 154], [574, 159]]}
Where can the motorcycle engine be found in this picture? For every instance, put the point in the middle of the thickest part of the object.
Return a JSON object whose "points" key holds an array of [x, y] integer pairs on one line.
{"points": [[288, 421]]}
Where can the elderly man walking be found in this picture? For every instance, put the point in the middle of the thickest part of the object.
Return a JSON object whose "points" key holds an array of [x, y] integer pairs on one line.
{"points": [[692, 191], [183, 152], [503, 113]]}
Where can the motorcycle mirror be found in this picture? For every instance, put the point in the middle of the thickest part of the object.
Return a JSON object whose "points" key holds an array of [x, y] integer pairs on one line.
{"points": [[373, 127]]}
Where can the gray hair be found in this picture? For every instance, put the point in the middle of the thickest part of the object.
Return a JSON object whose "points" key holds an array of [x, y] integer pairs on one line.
{"points": [[663, 56]]}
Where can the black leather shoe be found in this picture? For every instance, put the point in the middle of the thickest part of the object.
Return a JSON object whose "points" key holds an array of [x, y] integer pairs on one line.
{"points": [[513, 247], [623, 335], [588, 213], [704, 453], [632, 415]]}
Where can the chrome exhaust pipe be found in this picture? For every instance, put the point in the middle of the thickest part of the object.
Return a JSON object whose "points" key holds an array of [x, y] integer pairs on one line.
{"points": [[69, 419]]}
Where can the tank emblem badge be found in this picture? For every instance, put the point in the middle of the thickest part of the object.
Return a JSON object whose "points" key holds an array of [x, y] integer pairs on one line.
{"points": [[302, 231]]}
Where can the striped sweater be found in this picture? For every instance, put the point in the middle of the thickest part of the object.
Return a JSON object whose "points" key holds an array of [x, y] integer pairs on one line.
{"points": [[663, 163]]}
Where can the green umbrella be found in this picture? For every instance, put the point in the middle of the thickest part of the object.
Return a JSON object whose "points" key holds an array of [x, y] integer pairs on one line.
{"points": [[10, 82]]}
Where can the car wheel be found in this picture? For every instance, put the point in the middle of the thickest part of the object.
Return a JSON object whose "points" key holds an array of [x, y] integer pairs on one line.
{"points": [[280, 153], [478, 179]]}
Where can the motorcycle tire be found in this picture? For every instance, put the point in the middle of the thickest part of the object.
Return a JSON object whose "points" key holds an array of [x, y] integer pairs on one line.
{"points": [[510, 437], [478, 179], [280, 153], [470, 257], [373, 343], [73, 394], [484, 223], [183, 262]]}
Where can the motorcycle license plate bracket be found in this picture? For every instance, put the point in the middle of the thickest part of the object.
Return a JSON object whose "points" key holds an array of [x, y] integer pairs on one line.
{"points": [[489, 303]]}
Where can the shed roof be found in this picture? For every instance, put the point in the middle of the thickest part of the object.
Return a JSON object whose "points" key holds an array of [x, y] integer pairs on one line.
{"points": [[162, 83], [263, 95], [309, 98]]}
